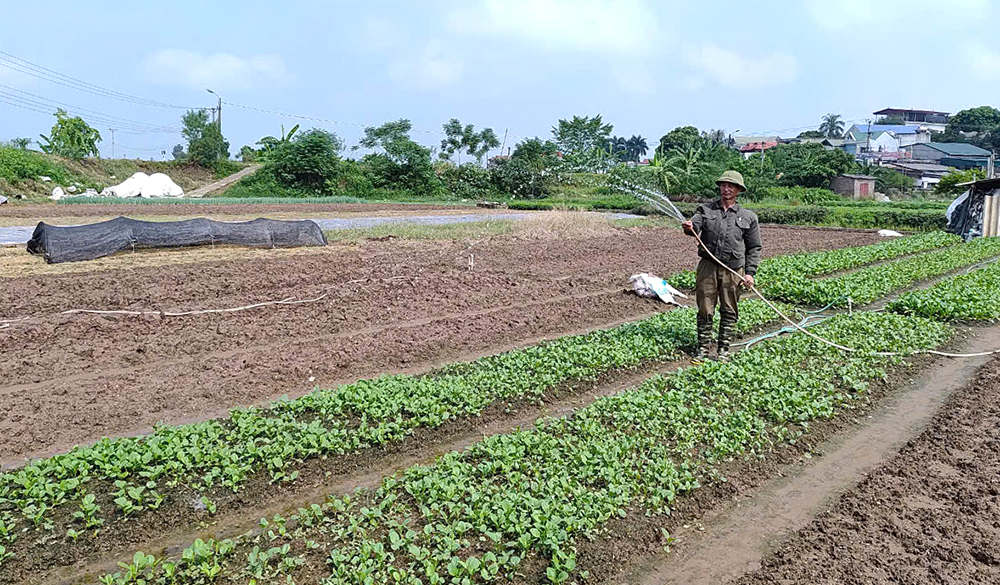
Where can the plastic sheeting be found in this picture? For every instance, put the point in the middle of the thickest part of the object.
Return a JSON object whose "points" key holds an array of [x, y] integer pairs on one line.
{"points": [[142, 185], [87, 242]]}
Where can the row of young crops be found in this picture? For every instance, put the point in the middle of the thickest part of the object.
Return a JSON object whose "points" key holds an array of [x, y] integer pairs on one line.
{"points": [[510, 501]]}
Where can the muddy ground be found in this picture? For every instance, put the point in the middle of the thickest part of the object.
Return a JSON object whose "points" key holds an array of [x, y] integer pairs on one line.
{"points": [[931, 514], [392, 306]]}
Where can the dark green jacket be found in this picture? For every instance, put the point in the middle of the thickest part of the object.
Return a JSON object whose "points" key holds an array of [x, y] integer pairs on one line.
{"points": [[733, 236]]}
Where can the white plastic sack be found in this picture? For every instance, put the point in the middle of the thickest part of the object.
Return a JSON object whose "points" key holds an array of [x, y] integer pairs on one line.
{"points": [[57, 194], [889, 234], [143, 185], [647, 285]]}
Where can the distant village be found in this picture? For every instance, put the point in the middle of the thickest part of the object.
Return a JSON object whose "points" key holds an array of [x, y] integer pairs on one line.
{"points": [[906, 147]]}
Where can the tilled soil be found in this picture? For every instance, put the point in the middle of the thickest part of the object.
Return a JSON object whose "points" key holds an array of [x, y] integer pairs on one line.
{"points": [[390, 307], [929, 515]]}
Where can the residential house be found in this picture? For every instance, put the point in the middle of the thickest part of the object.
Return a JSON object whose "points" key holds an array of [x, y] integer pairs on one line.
{"points": [[854, 186], [925, 175], [951, 154], [750, 149], [936, 121], [903, 135]]}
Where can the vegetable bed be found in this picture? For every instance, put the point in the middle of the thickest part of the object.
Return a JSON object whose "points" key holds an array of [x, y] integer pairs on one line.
{"points": [[967, 297], [516, 504], [822, 263], [79, 494]]}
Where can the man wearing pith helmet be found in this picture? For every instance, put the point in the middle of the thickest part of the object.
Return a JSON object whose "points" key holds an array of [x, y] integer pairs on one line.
{"points": [[732, 234]]}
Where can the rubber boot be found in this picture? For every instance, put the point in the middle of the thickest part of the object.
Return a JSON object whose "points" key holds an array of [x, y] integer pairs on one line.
{"points": [[704, 339], [727, 324]]}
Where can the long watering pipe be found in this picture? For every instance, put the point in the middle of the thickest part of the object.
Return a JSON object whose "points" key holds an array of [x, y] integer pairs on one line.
{"points": [[656, 199]]}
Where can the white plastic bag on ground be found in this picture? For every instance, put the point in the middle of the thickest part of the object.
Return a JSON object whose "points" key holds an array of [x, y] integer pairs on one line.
{"points": [[889, 234], [57, 194], [647, 285], [142, 185]]}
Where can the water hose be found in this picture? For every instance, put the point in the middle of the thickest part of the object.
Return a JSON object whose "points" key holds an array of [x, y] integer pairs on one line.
{"points": [[656, 200]]}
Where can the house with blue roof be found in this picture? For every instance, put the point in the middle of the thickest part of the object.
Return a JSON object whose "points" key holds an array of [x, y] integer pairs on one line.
{"points": [[902, 134]]}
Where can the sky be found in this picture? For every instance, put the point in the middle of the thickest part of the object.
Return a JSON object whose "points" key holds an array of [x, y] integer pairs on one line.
{"points": [[647, 66]]}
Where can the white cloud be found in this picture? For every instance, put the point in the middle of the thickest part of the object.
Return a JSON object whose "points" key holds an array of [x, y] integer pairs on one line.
{"points": [[602, 26], [737, 71], [842, 16], [430, 69], [219, 71]]}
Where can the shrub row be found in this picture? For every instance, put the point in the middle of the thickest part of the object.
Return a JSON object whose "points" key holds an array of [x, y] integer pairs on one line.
{"points": [[860, 217]]}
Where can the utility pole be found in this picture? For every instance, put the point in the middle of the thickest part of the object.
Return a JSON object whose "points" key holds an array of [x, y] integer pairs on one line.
{"points": [[218, 110], [112, 142], [868, 148]]}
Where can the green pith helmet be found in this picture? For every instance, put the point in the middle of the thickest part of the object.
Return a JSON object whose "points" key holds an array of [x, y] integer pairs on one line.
{"points": [[733, 177]]}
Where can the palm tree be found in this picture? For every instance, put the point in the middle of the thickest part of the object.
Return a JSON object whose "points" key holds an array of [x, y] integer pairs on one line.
{"points": [[832, 126], [636, 147]]}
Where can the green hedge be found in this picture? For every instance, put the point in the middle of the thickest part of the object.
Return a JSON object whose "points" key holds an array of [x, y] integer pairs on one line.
{"points": [[843, 216]]}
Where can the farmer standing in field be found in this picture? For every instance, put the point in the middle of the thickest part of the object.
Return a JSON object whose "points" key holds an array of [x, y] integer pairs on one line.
{"points": [[731, 232]]}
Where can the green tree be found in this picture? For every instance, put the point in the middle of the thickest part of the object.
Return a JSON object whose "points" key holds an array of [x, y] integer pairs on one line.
{"points": [[950, 183], [20, 143], [681, 138], [636, 148], [179, 153], [248, 154], [581, 134], [310, 161], [536, 152], [981, 119], [206, 145], [460, 139], [71, 137], [832, 126], [269, 143], [811, 134], [402, 163], [808, 165]]}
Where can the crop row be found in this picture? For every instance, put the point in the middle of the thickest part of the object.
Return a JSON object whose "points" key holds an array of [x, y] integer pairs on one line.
{"points": [[822, 263], [519, 502], [974, 296], [71, 494], [874, 282]]}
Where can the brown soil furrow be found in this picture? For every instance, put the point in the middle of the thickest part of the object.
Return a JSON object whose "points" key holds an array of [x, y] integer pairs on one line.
{"points": [[270, 347]]}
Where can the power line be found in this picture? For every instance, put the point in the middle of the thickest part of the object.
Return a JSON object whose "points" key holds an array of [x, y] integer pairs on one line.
{"points": [[16, 63], [38, 100]]}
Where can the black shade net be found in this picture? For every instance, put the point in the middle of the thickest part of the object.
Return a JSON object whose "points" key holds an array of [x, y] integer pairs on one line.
{"points": [[87, 242]]}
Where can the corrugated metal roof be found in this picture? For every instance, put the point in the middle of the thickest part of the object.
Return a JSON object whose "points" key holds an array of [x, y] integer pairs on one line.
{"points": [[957, 148], [860, 177]]}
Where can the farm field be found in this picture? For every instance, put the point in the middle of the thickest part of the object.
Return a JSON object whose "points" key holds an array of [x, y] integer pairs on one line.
{"points": [[393, 306], [580, 496]]}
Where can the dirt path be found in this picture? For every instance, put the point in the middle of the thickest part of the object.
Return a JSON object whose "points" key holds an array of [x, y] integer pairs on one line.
{"points": [[931, 514], [222, 183], [734, 537], [391, 307]]}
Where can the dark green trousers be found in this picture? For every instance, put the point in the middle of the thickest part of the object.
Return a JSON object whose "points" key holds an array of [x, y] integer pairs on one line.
{"points": [[715, 285]]}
